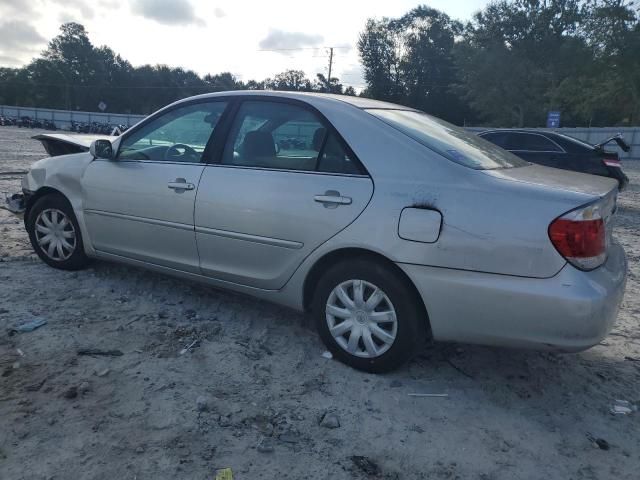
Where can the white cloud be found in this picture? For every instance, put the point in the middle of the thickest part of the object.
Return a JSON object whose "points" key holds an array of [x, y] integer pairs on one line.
{"points": [[238, 36], [85, 8], [281, 40], [167, 12], [18, 35]]}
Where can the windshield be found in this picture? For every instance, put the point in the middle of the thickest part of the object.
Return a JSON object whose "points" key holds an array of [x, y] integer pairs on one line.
{"points": [[454, 143]]}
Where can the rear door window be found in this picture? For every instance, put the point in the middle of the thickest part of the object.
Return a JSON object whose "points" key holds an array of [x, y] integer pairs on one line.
{"points": [[282, 136]]}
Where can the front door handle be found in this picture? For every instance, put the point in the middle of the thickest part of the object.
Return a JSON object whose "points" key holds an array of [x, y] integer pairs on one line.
{"points": [[332, 198], [181, 184]]}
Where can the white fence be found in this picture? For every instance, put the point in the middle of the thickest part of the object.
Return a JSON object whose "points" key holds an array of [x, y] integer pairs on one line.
{"points": [[63, 118], [596, 135]]}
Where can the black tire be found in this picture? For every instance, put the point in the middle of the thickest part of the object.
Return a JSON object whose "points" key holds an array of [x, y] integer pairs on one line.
{"points": [[77, 260], [412, 322]]}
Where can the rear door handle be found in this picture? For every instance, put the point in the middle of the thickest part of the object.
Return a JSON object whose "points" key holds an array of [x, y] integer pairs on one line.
{"points": [[331, 199], [181, 184]]}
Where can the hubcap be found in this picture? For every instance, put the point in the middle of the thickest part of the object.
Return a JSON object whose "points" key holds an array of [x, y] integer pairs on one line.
{"points": [[55, 234], [361, 318]]}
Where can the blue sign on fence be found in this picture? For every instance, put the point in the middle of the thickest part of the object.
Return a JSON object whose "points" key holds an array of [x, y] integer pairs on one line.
{"points": [[553, 120]]}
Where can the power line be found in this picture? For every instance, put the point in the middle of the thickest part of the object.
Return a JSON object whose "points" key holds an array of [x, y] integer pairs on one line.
{"points": [[300, 48]]}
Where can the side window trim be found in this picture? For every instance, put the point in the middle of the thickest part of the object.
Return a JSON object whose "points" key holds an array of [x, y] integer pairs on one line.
{"points": [[234, 107], [163, 111], [218, 139], [322, 147]]}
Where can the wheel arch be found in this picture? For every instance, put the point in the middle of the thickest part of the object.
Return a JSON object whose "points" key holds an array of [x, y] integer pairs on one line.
{"points": [[38, 194], [345, 254]]}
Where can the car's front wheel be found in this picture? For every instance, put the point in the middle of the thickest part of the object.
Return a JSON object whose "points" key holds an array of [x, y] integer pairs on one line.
{"points": [[54, 233], [368, 315]]}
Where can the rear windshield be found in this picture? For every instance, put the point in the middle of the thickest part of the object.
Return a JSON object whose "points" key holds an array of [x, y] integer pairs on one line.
{"points": [[577, 141], [450, 141]]}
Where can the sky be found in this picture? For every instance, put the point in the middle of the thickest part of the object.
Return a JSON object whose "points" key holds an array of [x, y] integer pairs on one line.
{"points": [[251, 39]]}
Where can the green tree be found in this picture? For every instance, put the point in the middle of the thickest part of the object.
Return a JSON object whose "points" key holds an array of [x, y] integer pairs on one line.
{"points": [[290, 80], [410, 60], [518, 59], [320, 85], [610, 93], [378, 47]]}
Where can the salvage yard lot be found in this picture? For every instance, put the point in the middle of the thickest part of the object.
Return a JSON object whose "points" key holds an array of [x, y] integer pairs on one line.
{"points": [[252, 392]]}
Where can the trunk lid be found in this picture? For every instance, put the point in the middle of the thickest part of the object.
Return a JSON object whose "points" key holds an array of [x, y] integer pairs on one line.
{"points": [[589, 185]]}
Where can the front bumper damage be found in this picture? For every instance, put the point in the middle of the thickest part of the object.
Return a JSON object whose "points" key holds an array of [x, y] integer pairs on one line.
{"points": [[16, 203]]}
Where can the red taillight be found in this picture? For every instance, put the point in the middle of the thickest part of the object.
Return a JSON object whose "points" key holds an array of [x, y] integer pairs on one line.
{"points": [[612, 161], [578, 239], [581, 236]]}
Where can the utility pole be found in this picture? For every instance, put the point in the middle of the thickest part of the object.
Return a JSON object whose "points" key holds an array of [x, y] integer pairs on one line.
{"points": [[330, 66]]}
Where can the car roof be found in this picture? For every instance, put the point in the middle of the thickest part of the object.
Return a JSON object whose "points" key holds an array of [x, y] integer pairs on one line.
{"points": [[517, 130], [314, 98]]}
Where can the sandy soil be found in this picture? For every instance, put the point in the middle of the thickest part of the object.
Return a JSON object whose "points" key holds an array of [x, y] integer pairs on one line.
{"points": [[251, 395]]}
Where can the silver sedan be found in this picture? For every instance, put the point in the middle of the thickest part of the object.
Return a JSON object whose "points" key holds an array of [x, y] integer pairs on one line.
{"points": [[389, 225]]}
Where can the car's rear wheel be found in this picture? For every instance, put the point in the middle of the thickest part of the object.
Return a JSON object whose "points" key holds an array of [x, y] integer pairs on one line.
{"points": [[368, 315], [54, 233]]}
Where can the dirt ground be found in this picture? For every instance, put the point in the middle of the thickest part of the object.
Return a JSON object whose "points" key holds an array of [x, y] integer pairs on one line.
{"points": [[256, 395]]}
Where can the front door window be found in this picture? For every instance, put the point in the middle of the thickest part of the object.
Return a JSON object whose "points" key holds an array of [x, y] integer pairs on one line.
{"points": [[179, 135]]}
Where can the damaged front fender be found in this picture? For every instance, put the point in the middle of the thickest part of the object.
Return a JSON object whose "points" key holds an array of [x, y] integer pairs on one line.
{"points": [[15, 203]]}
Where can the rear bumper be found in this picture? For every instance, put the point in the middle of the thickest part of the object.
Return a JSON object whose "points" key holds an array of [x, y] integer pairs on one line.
{"points": [[571, 311]]}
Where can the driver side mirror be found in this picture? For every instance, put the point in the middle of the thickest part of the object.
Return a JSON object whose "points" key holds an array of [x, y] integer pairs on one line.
{"points": [[101, 148]]}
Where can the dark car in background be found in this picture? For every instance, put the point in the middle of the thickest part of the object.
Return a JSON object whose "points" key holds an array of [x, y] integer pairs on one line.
{"points": [[562, 151]]}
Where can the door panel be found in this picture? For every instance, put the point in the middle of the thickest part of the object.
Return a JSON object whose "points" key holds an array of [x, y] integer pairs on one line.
{"points": [[255, 226], [131, 210]]}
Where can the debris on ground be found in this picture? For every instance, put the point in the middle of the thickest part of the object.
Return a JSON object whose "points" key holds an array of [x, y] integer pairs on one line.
{"points": [[289, 436], [29, 326], [224, 474], [15, 203], [96, 352], [330, 420], [189, 347], [365, 465], [202, 404], [601, 443], [265, 445], [103, 373], [622, 407], [327, 354]]}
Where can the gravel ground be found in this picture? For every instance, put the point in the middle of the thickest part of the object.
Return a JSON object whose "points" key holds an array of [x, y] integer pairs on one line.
{"points": [[255, 394]]}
